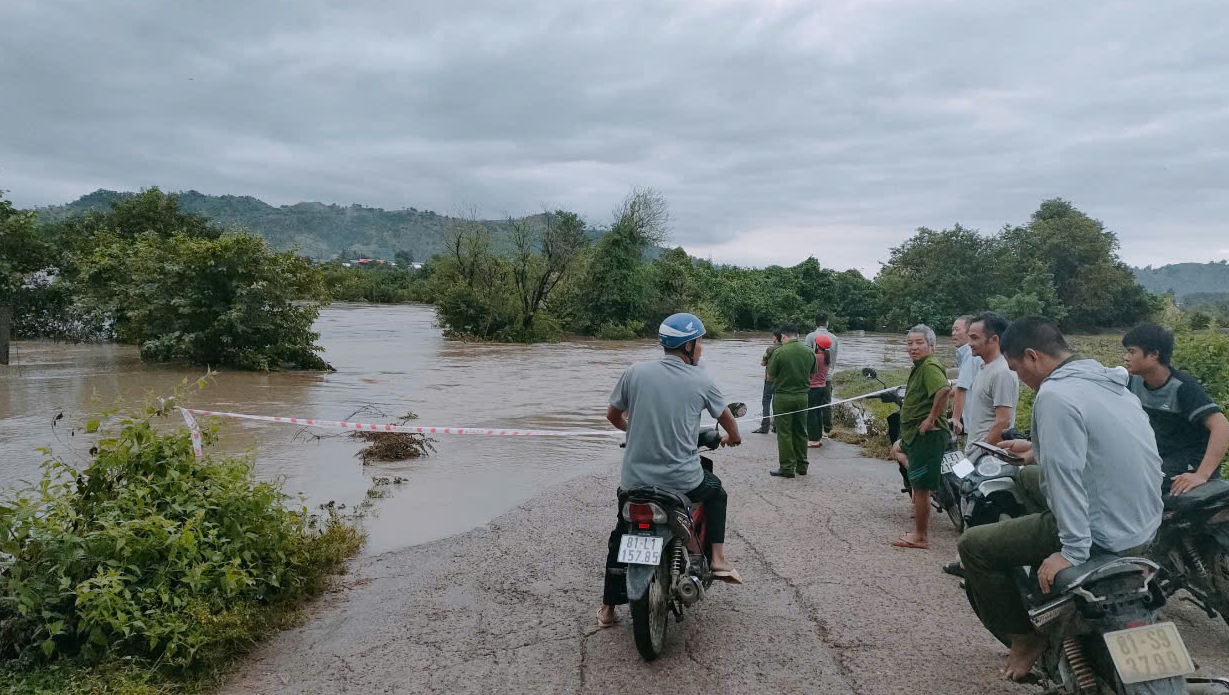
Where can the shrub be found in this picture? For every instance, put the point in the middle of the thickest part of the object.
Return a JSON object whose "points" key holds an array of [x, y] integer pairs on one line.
{"points": [[1205, 354], [150, 557], [621, 331], [715, 324]]}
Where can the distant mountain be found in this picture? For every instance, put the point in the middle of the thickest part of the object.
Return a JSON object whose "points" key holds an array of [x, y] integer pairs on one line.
{"points": [[1185, 278], [319, 230]]}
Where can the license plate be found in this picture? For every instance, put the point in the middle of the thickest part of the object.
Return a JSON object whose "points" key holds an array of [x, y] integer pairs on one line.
{"points": [[1149, 653], [640, 550], [950, 459]]}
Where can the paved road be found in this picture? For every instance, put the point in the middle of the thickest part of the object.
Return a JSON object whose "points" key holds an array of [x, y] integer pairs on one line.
{"points": [[828, 606]]}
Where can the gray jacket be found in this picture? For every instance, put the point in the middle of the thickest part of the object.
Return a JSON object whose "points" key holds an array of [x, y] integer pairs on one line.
{"points": [[1100, 470]]}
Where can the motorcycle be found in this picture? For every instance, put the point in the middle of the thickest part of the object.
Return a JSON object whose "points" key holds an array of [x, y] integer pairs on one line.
{"points": [[988, 489], [947, 498], [1102, 634], [666, 552], [1193, 546]]}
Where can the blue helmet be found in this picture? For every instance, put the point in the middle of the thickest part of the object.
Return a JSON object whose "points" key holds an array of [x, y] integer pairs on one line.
{"points": [[680, 329]]}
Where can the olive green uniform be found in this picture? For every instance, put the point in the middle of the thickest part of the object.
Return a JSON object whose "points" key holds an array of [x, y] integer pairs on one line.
{"points": [[925, 450], [791, 368]]}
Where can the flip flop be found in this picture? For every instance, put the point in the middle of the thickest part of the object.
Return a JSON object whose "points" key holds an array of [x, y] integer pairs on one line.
{"points": [[954, 569], [602, 624], [904, 542], [729, 577], [814, 445]]}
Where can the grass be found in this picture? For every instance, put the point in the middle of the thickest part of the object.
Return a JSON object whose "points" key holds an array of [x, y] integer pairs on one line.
{"points": [[850, 382]]}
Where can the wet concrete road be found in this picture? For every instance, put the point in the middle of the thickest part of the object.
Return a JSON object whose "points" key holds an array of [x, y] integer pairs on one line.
{"points": [[828, 605]]}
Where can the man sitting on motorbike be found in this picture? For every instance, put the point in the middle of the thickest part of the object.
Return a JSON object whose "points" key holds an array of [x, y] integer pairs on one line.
{"points": [[658, 404], [1191, 431], [1100, 475]]}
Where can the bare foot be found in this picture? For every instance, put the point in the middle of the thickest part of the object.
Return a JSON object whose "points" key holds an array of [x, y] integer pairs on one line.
{"points": [[1025, 650], [724, 566]]}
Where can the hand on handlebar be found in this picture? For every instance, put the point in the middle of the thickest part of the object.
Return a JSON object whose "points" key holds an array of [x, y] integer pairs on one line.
{"points": [[731, 440], [1023, 447]]}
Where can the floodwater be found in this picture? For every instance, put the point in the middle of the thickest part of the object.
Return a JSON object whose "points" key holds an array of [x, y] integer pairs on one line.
{"points": [[394, 359]]}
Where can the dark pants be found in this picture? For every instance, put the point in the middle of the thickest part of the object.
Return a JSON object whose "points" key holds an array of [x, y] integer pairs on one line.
{"points": [[791, 431], [709, 492], [767, 402], [991, 552], [815, 418], [826, 413]]}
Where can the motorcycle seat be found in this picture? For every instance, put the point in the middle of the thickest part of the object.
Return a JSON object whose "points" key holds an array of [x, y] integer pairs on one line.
{"points": [[1098, 568], [660, 494], [1211, 492]]}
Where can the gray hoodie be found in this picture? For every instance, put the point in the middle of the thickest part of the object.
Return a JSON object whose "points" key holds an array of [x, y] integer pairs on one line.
{"points": [[1100, 470]]}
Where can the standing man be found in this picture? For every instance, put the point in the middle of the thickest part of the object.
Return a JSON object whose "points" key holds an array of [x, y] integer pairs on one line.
{"points": [[1100, 476], [923, 430], [791, 368], [991, 405], [818, 397], [1192, 433], [969, 364], [821, 323], [766, 423]]}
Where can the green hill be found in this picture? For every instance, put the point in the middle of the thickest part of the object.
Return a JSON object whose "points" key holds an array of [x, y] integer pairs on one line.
{"points": [[318, 229], [1185, 278]]}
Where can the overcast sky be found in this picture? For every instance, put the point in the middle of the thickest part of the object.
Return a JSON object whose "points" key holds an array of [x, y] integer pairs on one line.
{"points": [[776, 129]]}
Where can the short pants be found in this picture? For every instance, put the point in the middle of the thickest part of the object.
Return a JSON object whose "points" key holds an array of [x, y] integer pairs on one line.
{"points": [[925, 454]]}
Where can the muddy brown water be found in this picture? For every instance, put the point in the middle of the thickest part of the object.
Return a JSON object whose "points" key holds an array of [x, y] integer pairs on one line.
{"points": [[392, 358]]}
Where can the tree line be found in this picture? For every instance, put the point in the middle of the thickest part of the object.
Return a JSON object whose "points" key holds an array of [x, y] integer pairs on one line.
{"points": [[184, 287]]}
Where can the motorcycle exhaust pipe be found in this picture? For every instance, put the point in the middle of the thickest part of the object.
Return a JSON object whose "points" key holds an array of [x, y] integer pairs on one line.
{"points": [[690, 590]]}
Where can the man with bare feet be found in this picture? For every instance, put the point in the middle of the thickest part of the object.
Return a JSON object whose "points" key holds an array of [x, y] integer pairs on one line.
{"points": [[1100, 475], [923, 430]]}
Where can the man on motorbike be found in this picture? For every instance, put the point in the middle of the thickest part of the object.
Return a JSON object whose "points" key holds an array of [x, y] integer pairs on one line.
{"points": [[1192, 433], [658, 404], [1100, 476]]}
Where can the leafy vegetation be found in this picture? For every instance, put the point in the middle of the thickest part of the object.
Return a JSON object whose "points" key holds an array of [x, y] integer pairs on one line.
{"points": [[174, 283], [148, 570]]}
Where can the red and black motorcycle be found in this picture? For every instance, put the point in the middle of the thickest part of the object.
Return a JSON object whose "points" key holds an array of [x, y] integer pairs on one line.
{"points": [[666, 552]]}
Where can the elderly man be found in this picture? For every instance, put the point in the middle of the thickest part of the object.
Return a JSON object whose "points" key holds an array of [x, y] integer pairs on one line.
{"points": [[969, 364], [923, 430]]}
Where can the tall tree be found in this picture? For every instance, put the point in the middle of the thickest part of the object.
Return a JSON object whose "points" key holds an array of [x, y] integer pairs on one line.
{"points": [[545, 251], [21, 253], [618, 287], [935, 276]]}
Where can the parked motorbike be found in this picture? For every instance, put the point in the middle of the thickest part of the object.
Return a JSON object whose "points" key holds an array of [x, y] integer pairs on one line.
{"points": [[1193, 546], [1100, 622], [989, 492], [667, 553], [947, 498]]}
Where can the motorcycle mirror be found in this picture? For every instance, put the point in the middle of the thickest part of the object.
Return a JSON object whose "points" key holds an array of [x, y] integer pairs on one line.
{"points": [[870, 373], [737, 409]]}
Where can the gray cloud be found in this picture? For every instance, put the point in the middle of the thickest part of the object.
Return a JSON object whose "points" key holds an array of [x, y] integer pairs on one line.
{"points": [[776, 129]]}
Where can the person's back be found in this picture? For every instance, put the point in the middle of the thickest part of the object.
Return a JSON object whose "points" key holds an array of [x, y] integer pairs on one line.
{"points": [[791, 368], [1098, 456], [664, 399]]}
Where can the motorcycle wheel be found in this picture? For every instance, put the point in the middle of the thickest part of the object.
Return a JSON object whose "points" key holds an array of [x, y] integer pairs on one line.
{"points": [[953, 506], [651, 615], [1218, 566]]}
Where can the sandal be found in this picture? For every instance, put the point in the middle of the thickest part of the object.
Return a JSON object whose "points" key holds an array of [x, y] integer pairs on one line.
{"points": [[602, 624], [954, 569], [728, 576]]}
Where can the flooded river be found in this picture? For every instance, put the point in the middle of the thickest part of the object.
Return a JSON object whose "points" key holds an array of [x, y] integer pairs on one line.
{"points": [[392, 358]]}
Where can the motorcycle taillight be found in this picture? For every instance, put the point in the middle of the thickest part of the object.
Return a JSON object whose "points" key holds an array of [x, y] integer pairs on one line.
{"points": [[647, 513]]}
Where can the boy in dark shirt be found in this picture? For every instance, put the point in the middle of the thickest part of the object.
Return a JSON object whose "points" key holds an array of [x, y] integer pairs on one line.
{"points": [[1192, 434]]}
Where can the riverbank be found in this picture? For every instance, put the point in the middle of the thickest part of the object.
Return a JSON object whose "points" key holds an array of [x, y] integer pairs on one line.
{"points": [[828, 605]]}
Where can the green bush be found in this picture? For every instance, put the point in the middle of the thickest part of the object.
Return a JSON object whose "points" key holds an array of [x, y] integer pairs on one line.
{"points": [[715, 324], [621, 331], [1205, 354], [148, 557]]}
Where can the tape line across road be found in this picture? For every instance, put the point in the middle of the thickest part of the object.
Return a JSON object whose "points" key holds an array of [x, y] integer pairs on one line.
{"points": [[190, 421]]}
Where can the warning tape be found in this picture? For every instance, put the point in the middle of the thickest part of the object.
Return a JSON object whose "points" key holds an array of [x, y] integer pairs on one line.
{"points": [[411, 429]]}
